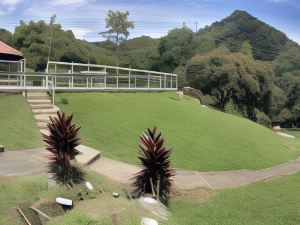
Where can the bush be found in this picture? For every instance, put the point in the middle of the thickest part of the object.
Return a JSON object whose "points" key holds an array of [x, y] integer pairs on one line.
{"points": [[61, 142], [232, 108], [208, 100], [262, 118], [154, 178], [64, 101]]}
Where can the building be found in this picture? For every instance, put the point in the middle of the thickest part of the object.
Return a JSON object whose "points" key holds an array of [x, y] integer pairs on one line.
{"points": [[9, 53]]}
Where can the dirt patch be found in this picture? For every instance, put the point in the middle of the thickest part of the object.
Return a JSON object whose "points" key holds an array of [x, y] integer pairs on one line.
{"points": [[3, 178], [199, 194]]}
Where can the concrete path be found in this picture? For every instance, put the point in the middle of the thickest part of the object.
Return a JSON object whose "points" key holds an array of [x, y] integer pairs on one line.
{"points": [[25, 162], [186, 179], [35, 161]]}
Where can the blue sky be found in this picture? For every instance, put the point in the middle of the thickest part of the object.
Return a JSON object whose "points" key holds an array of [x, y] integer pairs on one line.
{"points": [[152, 17]]}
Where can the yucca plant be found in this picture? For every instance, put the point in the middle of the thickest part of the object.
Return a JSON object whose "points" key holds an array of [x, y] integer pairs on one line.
{"points": [[155, 177], [61, 142]]}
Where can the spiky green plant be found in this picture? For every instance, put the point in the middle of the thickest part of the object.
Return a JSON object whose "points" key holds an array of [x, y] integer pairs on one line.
{"points": [[155, 177], [61, 142]]}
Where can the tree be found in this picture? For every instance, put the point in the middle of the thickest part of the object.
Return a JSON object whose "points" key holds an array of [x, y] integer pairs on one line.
{"points": [[176, 48], [5, 36], [225, 75], [118, 25]]}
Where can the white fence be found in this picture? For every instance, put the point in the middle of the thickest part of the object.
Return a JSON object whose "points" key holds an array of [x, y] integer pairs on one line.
{"points": [[76, 76]]}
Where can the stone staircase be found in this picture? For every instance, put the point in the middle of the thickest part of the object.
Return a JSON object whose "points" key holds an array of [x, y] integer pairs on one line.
{"points": [[42, 108]]}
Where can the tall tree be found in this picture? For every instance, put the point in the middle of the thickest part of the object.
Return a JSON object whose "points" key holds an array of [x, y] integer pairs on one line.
{"points": [[118, 28], [225, 75]]}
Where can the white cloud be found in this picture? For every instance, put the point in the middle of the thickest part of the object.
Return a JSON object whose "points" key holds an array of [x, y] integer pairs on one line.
{"points": [[80, 32], [11, 2], [66, 2]]}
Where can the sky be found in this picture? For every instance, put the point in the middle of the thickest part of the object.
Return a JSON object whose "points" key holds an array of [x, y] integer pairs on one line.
{"points": [[86, 18]]}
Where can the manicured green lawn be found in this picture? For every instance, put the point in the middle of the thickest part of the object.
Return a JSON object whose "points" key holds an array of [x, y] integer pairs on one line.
{"points": [[274, 202], [18, 129], [202, 138]]}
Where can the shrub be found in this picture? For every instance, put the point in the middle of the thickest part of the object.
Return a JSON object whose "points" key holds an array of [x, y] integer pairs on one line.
{"points": [[155, 176], [61, 142], [64, 101], [262, 118], [232, 108]]}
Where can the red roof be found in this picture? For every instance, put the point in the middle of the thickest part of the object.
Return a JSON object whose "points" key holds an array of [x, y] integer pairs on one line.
{"points": [[6, 49]]}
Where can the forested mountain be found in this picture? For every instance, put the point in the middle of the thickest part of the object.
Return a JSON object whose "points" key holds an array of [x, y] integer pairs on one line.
{"points": [[241, 64]]}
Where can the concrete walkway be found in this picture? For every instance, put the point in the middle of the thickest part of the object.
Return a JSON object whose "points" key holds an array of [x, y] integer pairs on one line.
{"points": [[35, 161], [186, 179]]}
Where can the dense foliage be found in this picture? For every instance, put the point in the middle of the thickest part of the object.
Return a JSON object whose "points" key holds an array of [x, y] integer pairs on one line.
{"points": [[155, 177]]}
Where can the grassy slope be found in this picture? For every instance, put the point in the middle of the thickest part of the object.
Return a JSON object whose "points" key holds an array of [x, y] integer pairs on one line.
{"points": [[202, 138], [17, 126], [266, 203]]}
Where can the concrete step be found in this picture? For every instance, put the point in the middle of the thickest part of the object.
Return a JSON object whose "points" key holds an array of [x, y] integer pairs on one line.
{"points": [[33, 101], [87, 155], [38, 97], [42, 118], [42, 125], [51, 111], [41, 106], [36, 93], [44, 131]]}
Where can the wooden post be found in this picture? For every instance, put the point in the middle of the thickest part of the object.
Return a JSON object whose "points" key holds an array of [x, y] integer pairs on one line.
{"points": [[165, 81]]}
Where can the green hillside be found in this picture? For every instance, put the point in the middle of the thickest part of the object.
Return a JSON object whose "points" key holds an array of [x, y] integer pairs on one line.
{"points": [[18, 129], [202, 138]]}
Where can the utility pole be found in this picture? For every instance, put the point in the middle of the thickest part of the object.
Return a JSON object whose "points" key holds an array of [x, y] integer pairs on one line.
{"points": [[183, 24], [196, 23], [52, 21]]}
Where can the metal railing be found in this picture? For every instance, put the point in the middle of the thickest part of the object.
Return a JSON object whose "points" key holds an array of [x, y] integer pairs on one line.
{"points": [[83, 82], [77, 76]]}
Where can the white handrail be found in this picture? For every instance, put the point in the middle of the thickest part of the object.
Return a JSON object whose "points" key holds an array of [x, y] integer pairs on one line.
{"points": [[108, 67]]}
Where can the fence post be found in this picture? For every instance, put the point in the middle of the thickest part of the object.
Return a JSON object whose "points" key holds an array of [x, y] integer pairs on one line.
{"points": [[117, 81], [129, 81], [160, 81], [105, 79], [148, 81], [165, 81]]}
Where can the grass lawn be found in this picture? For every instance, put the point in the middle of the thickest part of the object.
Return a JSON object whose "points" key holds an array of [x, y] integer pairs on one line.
{"points": [[18, 129], [202, 138], [100, 210], [274, 202]]}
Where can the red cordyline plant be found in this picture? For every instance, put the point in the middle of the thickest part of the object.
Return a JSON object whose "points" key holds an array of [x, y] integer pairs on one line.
{"points": [[61, 142], [155, 177]]}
